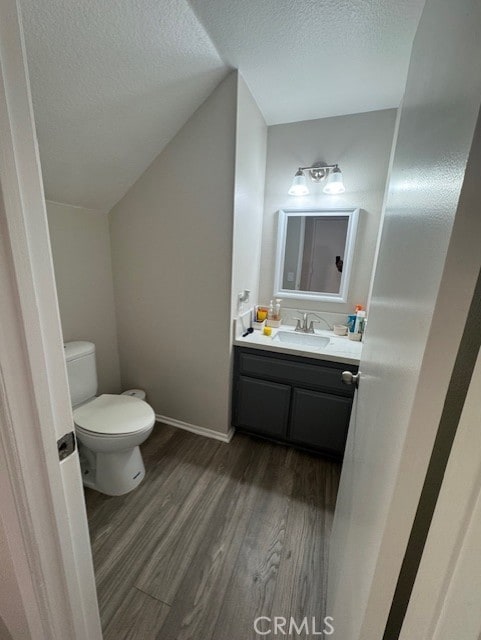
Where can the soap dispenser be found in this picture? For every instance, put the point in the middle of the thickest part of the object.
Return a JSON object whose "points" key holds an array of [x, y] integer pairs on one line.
{"points": [[271, 312], [274, 314], [277, 309]]}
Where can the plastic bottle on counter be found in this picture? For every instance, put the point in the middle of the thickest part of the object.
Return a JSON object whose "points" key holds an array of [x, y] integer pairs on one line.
{"points": [[359, 323], [351, 319], [274, 313], [271, 312], [277, 309], [364, 327]]}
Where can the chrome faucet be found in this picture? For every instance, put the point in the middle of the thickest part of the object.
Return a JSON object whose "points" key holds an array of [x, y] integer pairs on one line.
{"points": [[304, 326]]}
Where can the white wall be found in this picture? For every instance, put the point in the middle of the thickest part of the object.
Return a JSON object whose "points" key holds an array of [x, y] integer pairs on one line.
{"points": [[423, 287], [361, 145], [250, 170], [83, 274], [171, 240]]}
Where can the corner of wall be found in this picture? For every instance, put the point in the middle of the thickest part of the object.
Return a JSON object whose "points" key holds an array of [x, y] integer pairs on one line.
{"points": [[250, 169]]}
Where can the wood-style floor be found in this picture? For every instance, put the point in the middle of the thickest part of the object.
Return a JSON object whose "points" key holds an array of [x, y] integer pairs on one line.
{"points": [[215, 536]]}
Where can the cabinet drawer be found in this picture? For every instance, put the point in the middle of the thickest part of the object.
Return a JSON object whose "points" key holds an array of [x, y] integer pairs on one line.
{"points": [[262, 407], [320, 376], [320, 420]]}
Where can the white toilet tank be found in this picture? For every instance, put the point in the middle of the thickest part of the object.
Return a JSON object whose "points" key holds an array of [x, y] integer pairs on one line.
{"points": [[81, 371]]}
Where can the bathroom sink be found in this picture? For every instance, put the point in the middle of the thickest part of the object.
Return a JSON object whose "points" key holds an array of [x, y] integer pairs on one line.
{"points": [[301, 339]]}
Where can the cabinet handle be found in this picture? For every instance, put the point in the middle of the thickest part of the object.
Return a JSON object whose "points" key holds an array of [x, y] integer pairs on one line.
{"points": [[348, 377]]}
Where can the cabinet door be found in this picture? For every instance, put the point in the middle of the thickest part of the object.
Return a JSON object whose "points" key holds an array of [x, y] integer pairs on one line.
{"points": [[262, 407], [320, 420]]}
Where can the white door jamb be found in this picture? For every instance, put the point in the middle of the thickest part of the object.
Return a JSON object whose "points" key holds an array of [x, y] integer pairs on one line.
{"points": [[42, 508]]}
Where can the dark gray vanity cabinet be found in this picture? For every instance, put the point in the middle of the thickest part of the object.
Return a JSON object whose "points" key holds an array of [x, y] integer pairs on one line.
{"points": [[292, 399], [263, 406]]}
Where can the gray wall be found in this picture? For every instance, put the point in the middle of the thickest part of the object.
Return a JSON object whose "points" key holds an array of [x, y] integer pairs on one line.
{"points": [[250, 171], [361, 144], [83, 273], [171, 240]]}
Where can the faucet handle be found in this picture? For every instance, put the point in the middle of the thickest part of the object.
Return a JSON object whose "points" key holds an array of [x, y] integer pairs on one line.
{"points": [[298, 325], [311, 325]]}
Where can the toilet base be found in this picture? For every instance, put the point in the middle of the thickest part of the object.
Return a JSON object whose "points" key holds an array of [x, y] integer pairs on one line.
{"points": [[111, 473]]}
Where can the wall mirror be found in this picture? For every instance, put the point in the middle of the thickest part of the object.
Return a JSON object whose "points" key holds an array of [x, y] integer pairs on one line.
{"points": [[315, 248]]}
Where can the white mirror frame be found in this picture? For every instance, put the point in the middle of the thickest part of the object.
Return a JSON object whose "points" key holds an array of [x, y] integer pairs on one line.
{"points": [[284, 215]]}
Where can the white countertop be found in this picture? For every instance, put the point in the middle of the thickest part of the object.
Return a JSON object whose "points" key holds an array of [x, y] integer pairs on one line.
{"points": [[339, 349]]}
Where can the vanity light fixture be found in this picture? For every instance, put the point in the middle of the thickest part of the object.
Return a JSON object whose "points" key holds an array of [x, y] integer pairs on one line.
{"points": [[317, 172], [299, 184]]}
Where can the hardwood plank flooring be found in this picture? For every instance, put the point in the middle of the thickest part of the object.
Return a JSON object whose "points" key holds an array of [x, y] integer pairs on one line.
{"points": [[162, 575], [216, 535], [126, 530], [140, 616]]}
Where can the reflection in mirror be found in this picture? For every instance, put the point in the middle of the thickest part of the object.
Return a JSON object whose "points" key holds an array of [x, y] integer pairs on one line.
{"points": [[314, 250], [314, 254]]}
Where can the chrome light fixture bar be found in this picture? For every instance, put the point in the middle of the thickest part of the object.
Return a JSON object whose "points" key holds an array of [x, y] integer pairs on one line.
{"points": [[317, 172]]}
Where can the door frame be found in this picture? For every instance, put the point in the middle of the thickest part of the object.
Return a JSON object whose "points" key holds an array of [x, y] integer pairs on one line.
{"points": [[42, 508], [446, 598]]}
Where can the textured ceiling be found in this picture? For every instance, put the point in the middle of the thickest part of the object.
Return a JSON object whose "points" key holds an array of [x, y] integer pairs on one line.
{"points": [[306, 59], [114, 80]]}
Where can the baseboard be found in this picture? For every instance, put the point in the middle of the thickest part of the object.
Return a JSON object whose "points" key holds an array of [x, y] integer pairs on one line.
{"points": [[193, 428]]}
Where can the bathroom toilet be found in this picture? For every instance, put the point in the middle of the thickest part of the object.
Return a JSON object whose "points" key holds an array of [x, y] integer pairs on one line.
{"points": [[109, 428]]}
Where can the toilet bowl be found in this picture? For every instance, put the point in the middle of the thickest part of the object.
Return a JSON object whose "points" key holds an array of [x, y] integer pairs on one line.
{"points": [[109, 427]]}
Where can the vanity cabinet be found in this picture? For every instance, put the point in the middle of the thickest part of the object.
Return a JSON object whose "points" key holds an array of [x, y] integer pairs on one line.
{"points": [[292, 399], [263, 406]]}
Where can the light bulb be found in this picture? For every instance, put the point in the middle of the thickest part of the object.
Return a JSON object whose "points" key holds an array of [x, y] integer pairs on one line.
{"points": [[299, 185], [334, 183]]}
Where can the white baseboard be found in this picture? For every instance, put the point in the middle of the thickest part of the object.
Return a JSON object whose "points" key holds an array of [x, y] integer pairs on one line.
{"points": [[193, 428]]}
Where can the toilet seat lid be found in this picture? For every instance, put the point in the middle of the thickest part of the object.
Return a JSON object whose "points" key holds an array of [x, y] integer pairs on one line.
{"points": [[114, 415]]}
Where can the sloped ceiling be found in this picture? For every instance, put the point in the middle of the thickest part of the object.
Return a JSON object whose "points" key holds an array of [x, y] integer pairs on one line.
{"points": [[114, 80], [307, 59]]}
